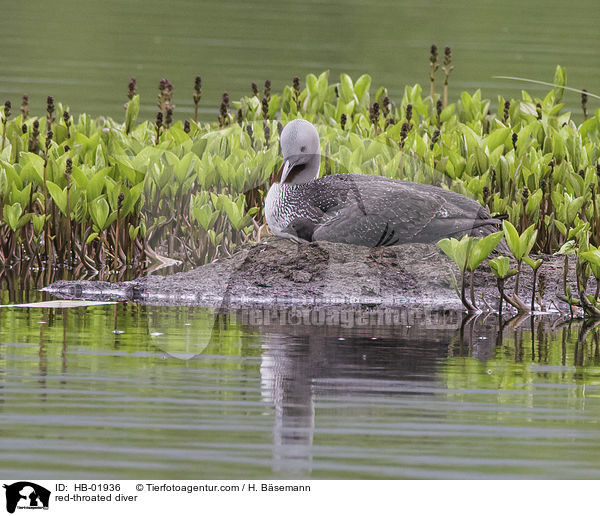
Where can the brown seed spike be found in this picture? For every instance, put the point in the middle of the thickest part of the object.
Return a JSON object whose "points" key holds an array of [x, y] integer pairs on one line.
{"points": [[131, 88], [433, 53], [447, 56], [25, 105]]}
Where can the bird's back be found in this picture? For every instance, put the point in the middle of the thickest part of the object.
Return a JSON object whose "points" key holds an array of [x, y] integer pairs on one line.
{"points": [[375, 210]]}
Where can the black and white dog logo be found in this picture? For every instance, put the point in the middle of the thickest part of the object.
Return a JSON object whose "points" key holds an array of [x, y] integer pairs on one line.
{"points": [[26, 495]]}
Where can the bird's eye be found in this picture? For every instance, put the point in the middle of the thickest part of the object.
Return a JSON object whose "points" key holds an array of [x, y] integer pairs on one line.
{"points": [[302, 149]]}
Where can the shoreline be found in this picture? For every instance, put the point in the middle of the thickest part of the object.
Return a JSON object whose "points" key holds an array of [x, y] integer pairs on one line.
{"points": [[282, 273]]}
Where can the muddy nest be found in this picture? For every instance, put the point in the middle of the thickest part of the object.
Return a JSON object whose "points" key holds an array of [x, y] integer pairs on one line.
{"points": [[281, 272]]}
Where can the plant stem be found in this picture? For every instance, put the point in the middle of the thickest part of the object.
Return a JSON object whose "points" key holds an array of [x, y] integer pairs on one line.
{"points": [[446, 91], [588, 307], [516, 289], [500, 283], [533, 290], [472, 290], [69, 228], [46, 231], [3, 132], [565, 272], [115, 263], [463, 297]]}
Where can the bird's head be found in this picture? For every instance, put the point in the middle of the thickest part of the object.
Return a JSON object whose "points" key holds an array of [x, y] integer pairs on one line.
{"points": [[301, 153]]}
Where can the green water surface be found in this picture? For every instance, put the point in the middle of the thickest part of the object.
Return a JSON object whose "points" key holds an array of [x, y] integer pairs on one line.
{"points": [[128, 391], [84, 52]]}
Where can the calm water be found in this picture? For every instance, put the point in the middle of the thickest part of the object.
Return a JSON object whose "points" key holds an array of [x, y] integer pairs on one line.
{"points": [[84, 51], [127, 391], [139, 392]]}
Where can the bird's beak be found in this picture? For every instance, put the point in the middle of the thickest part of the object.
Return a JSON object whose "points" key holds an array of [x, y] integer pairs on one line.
{"points": [[286, 167]]}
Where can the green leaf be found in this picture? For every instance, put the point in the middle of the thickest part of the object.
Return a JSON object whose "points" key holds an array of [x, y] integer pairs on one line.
{"points": [[96, 184], [560, 79], [534, 203], [528, 109], [534, 264], [512, 239], [91, 238], [496, 138], [519, 245], [573, 208], [133, 232], [500, 266], [59, 196], [458, 251], [569, 247], [33, 165], [38, 223], [99, 210], [483, 248], [561, 227], [527, 240], [447, 112], [362, 85], [592, 257], [12, 216], [133, 109], [346, 88], [311, 84], [322, 83]]}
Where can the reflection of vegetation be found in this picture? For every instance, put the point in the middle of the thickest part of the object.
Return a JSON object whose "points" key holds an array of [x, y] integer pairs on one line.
{"points": [[74, 393], [190, 333], [523, 352], [126, 328]]}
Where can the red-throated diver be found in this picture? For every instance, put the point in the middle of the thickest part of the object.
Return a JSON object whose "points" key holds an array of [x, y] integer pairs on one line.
{"points": [[361, 209]]}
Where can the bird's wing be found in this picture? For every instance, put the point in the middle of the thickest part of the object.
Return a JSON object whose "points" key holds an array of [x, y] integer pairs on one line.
{"points": [[379, 211]]}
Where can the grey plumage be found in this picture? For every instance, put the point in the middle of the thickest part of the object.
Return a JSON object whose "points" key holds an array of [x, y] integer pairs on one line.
{"points": [[364, 209]]}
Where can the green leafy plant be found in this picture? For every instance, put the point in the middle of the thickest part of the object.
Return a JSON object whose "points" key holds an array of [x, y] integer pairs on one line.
{"points": [[592, 257], [501, 268], [468, 253], [529, 159], [520, 246]]}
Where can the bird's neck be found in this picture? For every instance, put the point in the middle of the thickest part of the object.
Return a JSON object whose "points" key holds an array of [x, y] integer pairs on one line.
{"points": [[310, 172]]}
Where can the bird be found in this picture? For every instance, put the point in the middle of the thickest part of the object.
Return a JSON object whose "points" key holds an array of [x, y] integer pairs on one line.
{"points": [[361, 209]]}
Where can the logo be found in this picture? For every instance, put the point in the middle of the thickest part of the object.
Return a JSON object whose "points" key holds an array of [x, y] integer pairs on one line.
{"points": [[26, 495]]}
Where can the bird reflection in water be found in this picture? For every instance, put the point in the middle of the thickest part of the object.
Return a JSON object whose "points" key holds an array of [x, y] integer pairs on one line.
{"points": [[302, 365]]}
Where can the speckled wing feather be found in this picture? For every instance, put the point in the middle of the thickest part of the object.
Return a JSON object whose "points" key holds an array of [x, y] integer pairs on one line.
{"points": [[377, 211]]}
